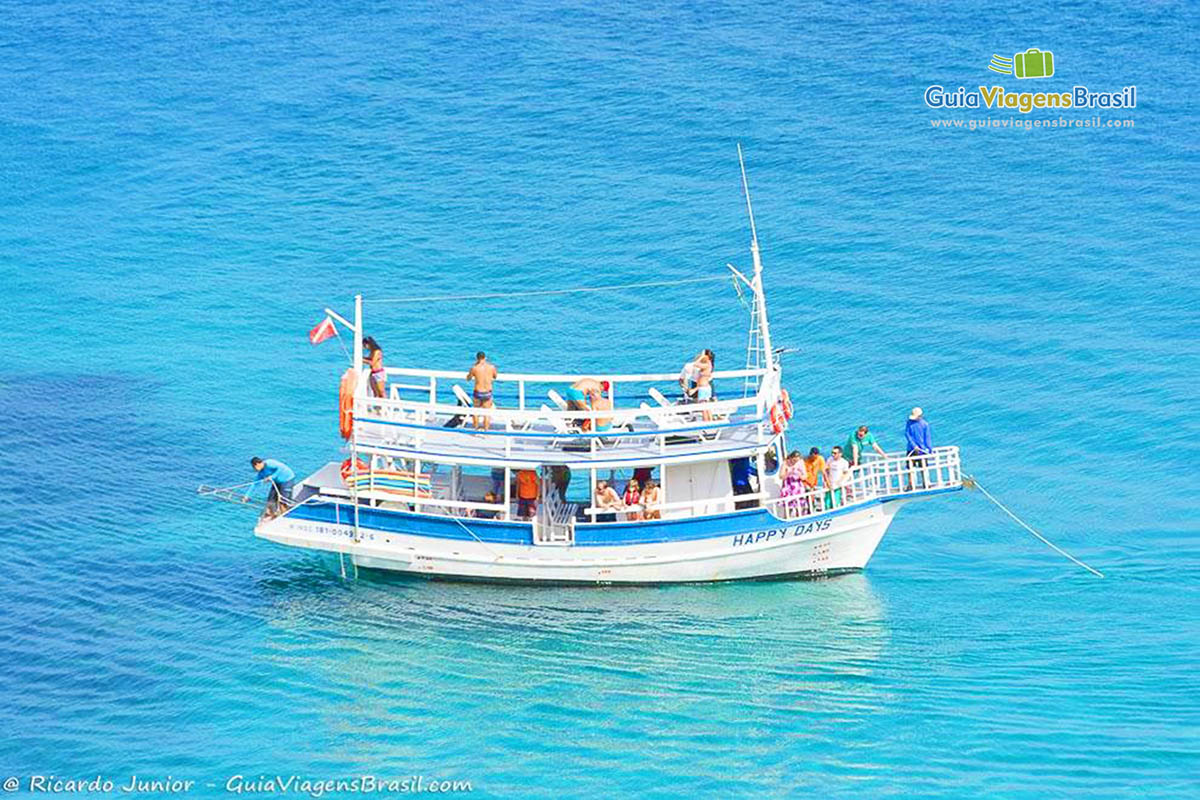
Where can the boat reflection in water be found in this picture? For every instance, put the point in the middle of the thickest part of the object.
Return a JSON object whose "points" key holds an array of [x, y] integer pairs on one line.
{"points": [[628, 663]]}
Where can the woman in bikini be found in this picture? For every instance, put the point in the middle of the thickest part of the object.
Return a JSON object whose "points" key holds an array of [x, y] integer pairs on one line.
{"points": [[633, 498]]}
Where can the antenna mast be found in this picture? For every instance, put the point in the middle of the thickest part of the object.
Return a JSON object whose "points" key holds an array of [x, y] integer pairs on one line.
{"points": [[761, 331]]}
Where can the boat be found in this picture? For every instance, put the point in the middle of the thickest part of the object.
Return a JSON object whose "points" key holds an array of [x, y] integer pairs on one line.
{"points": [[425, 491]]}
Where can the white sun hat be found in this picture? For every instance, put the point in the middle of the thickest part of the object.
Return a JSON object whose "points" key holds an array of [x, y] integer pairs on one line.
{"points": [[917, 413]]}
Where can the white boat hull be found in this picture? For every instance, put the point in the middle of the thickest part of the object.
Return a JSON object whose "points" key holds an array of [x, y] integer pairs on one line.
{"points": [[840, 542]]}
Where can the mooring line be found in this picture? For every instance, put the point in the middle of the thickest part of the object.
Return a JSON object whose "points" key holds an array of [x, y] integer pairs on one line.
{"points": [[974, 483], [495, 556]]}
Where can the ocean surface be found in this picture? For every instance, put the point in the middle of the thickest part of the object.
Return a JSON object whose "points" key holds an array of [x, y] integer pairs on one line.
{"points": [[185, 186]]}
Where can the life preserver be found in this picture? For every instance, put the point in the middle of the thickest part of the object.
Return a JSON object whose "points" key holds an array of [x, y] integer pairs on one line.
{"points": [[787, 403], [777, 418], [347, 470], [346, 389]]}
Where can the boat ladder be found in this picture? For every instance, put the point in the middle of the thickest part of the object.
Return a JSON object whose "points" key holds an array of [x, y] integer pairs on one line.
{"points": [[554, 522]]}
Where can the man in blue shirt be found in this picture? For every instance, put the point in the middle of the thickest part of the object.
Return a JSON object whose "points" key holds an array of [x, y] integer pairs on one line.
{"points": [[920, 444], [279, 477]]}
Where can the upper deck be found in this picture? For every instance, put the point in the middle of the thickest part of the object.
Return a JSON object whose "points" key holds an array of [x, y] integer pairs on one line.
{"points": [[426, 416]]}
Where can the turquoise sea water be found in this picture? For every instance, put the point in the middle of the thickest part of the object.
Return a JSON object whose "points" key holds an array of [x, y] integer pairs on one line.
{"points": [[185, 186]]}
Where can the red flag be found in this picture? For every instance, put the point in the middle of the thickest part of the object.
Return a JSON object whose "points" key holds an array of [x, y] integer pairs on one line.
{"points": [[323, 331]]}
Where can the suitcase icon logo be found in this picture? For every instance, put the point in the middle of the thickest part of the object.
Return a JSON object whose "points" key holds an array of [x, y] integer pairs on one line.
{"points": [[1033, 63]]}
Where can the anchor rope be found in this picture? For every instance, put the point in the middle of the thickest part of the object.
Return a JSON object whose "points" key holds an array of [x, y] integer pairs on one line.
{"points": [[495, 556], [974, 483]]}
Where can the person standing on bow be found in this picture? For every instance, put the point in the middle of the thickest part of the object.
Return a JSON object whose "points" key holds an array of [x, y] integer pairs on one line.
{"points": [[919, 442], [279, 477], [483, 373], [856, 446], [814, 468], [837, 477]]}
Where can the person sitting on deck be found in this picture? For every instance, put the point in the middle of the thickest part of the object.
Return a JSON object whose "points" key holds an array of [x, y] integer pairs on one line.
{"points": [[279, 476], [919, 444], [856, 446], [793, 488], [488, 513], [606, 498], [483, 373], [651, 497], [527, 493], [633, 497], [837, 476]]}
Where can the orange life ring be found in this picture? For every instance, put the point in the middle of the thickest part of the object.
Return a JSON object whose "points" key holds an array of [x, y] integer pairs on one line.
{"points": [[347, 470], [777, 418], [346, 389], [787, 403]]}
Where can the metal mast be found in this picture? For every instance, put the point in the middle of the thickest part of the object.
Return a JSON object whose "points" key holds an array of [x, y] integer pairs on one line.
{"points": [[758, 347]]}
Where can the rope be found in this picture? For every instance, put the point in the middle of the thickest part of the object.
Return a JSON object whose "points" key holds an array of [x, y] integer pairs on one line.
{"points": [[971, 482], [496, 556], [542, 292]]}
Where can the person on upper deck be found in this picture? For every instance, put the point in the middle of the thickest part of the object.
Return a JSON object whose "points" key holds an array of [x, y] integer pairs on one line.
{"points": [[688, 376], [483, 373], [704, 389], [918, 441], [856, 446], [377, 376], [602, 403], [579, 398], [279, 477]]}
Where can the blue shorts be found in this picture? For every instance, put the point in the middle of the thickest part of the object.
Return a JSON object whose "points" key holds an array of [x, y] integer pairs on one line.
{"points": [[704, 392]]}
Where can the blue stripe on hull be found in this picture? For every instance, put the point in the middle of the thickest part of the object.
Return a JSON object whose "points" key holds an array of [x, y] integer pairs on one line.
{"points": [[586, 534]]}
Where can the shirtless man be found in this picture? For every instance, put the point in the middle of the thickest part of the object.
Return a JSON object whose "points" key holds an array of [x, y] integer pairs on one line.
{"points": [[484, 374], [608, 500], [579, 397]]}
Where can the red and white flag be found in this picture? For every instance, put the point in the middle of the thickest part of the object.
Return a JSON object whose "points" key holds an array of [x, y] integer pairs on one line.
{"points": [[323, 331]]}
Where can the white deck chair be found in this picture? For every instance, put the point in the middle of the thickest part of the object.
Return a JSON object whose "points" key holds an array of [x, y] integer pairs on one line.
{"points": [[462, 395], [557, 399], [687, 414], [560, 424], [659, 397]]}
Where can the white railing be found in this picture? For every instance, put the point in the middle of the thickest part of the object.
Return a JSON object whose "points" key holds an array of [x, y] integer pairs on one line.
{"points": [[892, 475], [516, 432]]}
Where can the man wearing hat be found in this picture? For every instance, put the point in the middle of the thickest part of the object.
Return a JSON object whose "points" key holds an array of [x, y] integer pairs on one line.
{"points": [[920, 444]]}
